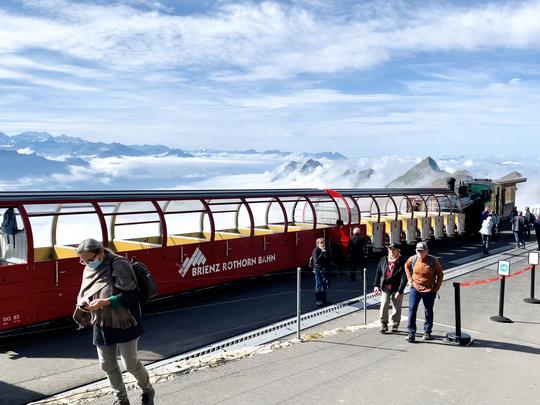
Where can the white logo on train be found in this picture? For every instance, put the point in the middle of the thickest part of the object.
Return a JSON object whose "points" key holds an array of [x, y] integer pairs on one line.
{"points": [[198, 266]]}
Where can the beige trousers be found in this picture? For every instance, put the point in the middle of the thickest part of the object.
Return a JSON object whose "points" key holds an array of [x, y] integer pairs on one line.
{"points": [[386, 297]]}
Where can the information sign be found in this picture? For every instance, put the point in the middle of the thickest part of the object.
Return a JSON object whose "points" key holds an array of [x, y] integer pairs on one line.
{"points": [[504, 268]]}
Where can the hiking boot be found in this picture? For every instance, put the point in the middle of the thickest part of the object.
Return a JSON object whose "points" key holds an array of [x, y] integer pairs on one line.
{"points": [[427, 336], [410, 337], [122, 402], [384, 329], [394, 328], [147, 398]]}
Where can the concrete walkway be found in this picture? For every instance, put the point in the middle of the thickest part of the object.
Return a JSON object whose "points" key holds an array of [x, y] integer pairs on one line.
{"points": [[344, 362]]}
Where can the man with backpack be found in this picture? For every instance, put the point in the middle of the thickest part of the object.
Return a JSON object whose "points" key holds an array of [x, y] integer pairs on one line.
{"points": [[109, 300], [425, 275], [529, 221]]}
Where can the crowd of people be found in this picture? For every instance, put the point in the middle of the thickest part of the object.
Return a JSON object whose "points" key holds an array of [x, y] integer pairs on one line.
{"points": [[521, 223], [422, 272]]}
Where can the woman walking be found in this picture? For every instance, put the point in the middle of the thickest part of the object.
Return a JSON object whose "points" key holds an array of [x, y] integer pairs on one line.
{"points": [[109, 301]]}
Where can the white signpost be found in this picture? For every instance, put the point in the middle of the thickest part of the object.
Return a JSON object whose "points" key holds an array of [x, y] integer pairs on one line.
{"points": [[534, 258], [503, 268]]}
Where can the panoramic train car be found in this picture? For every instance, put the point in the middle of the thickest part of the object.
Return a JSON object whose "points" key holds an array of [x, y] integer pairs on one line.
{"points": [[188, 239]]}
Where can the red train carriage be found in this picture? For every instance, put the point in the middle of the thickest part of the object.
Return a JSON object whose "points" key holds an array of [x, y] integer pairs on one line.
{"points": [[189, 239]]}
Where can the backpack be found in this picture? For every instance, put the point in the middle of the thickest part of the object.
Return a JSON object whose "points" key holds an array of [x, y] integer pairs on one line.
{"points": [[9, 224], [145, 281]]}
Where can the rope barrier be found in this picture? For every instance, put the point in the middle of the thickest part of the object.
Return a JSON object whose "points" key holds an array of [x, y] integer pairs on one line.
{"points": [[491, 280]]}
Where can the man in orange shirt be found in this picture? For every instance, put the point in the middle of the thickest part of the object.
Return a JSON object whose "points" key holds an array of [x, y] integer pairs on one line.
{"points": [[425, 276]]}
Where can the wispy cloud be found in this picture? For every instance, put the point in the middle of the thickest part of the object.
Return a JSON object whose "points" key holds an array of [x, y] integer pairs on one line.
{"points": [[264, 40], [315, 74]]}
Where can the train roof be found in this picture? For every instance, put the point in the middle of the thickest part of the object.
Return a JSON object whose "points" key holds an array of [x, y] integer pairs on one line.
{"points": [[138, 195]]}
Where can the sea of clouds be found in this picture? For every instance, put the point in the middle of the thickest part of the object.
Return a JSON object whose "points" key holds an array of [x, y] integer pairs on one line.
{"points": [[228, 171]]}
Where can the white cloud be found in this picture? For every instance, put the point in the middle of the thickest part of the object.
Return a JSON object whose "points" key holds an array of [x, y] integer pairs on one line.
{"points": [[264, 40]]}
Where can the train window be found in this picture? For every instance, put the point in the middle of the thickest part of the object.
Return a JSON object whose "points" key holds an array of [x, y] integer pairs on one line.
{"points": [[74, 223], [325, 209], [225, 214], [367, 207], [274, 217], [133, 225], [183, 218], [259, 207], [355, 215], [13, 244]]}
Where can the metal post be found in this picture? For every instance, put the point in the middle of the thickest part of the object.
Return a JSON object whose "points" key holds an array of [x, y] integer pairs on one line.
{"points": [[457, 307], [365, 295], [298, 301], [532, 300], [501, 317], [458, 337]]}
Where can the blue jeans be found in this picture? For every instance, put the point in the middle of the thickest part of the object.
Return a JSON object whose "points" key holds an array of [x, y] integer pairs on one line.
{"points": [[320, 286], [485, 242], [518, 235], [527, 231], [414, 300]]}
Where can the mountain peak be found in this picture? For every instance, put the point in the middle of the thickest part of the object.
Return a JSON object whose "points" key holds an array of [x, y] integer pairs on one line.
{"points": [[423, 173], [429, 162], [32, 136]]}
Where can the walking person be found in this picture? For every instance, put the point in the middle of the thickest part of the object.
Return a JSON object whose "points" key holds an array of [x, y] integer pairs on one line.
{"points": [[390, 282], [536, 225], [425, 275], [495, 233], [518, 227], [486, 232], [357, 253], [109, 301], [529, 220], [320, 263]]}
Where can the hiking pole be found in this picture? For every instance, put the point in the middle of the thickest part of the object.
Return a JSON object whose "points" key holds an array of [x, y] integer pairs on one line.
{"points": [[365, 295], [298, 301], [458, 337]]}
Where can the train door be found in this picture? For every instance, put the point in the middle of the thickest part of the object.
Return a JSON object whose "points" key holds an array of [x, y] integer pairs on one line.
{"points": [[395, 231], [450, 225], [425, 230], [410, 234], [438, 228], [461, 223]]}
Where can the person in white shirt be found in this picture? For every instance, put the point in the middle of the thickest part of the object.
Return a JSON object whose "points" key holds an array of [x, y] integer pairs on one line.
{"points": [[485, 231]]}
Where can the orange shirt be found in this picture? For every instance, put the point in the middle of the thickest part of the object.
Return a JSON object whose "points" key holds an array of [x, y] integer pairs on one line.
{"points": [[423, 277]]}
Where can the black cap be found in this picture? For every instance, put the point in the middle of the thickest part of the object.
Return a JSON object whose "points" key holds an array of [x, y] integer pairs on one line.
{"points": [[394, 246]]}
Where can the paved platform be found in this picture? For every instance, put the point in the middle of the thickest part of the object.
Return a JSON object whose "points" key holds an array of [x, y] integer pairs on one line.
{"points": [[345, 362]]}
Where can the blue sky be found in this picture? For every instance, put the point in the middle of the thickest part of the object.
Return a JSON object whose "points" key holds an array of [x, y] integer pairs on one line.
{"points": [[360, 78]]}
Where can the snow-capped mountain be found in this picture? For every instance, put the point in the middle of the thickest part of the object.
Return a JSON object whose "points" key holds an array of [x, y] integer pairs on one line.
{"points": [[38, 160]]}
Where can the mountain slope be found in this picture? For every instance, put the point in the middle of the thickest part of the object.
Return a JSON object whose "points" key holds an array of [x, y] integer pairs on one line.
{"points": [[425, 173]]}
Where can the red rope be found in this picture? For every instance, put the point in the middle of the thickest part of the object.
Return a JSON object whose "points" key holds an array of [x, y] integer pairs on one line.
{"points": [[490, 280]]}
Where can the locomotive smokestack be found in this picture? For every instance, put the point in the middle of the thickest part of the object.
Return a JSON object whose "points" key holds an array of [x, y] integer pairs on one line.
{"points": [[451, 183]]}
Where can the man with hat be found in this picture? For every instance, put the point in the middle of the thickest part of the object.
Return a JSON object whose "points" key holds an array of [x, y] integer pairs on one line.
{"points": [[425, 275], [390, 282]]}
